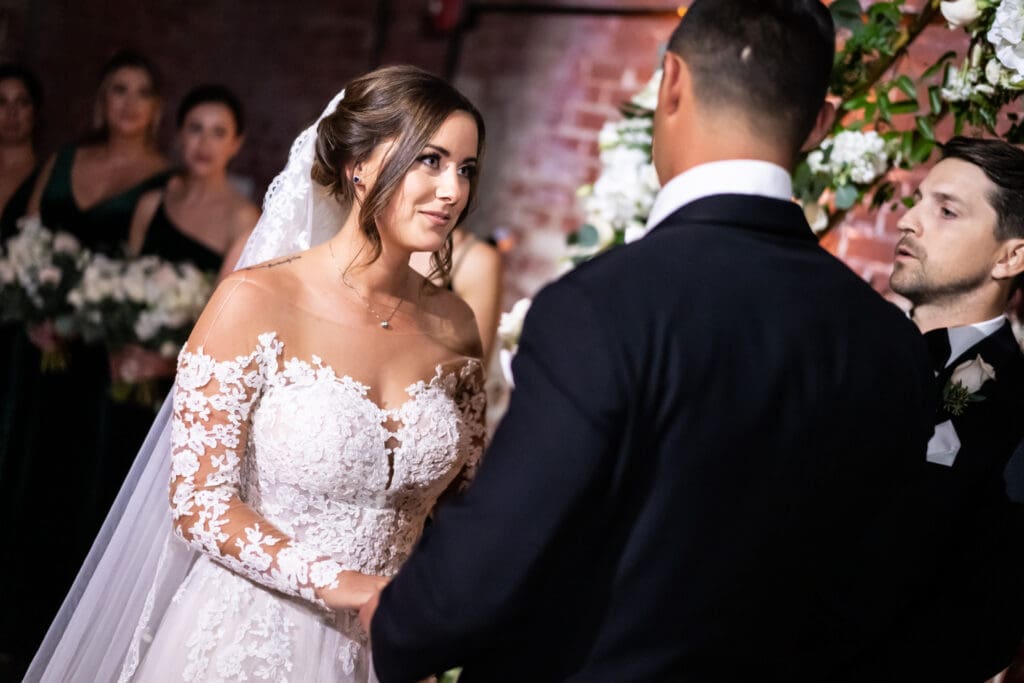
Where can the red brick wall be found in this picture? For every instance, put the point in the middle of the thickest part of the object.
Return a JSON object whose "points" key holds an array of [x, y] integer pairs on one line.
{"points": [[545, 84]]}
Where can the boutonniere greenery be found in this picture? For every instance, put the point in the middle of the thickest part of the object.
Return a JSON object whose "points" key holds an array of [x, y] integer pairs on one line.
{"points": [[965, 383]]}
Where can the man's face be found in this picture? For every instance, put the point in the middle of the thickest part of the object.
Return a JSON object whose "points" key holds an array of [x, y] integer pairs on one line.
{"points": [[948, 244]]}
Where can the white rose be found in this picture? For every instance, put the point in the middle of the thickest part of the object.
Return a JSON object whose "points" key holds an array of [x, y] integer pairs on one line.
{"points": [[960, 13], [972, 374], [50, 275]]}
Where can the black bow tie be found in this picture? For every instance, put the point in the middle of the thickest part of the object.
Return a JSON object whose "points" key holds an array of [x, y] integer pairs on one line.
{"points": [[938, 348]]}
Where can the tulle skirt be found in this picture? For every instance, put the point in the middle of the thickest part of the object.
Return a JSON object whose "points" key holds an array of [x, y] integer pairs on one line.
{"points": [[222, 627]]}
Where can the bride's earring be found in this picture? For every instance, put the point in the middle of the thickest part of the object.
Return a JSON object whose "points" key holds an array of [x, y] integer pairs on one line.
{"points": [[355, 180]]}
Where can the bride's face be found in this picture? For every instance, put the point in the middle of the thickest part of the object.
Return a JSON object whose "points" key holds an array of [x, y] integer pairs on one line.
{"points": [[435, 189]]}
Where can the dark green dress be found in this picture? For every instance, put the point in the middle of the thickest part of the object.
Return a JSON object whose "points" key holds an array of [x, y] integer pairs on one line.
{"points": [[13, 342], [61, 473], [166, 240]]}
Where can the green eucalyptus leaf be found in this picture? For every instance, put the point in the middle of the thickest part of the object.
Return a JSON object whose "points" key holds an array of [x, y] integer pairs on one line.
{"points": [[935, 99], [906, 84], [884, 110], [903, 107], [846, 197], [988, 117], [855, 103], [922, 150], [847, 14], [925, 127], [802, 174], [588, 236], [907, 145]]}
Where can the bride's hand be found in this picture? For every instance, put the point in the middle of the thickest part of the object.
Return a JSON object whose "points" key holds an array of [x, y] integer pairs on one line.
{"points": [[354, 590]]}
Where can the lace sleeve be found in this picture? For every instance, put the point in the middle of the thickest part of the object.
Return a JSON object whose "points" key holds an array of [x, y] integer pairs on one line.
{"points": [[471, 400], [213, 401]]}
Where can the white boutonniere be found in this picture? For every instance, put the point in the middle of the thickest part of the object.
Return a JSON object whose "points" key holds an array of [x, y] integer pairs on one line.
{"points": [[965, 383]]}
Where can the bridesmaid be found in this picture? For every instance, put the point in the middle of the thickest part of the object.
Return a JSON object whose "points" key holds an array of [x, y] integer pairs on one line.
{"points": [[60, 481], [198, 217], [20, 99]]}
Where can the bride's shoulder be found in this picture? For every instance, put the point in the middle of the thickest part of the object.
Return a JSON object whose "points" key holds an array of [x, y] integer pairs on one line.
{"points": [[454, 320], [246, 304]]}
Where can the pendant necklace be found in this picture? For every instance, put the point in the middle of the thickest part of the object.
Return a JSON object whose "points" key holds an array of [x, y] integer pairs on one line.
{"points": [[385, 323]]}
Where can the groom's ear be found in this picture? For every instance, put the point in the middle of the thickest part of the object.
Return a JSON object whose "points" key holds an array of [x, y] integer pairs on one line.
{"points": [[822, 126], [672, 77]]}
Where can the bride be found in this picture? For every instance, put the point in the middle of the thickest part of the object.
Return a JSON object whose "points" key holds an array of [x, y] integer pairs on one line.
{"points": [[327, 398]]}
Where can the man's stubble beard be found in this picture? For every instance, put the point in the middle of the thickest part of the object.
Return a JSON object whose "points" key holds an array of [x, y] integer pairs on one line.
{"points": [[916, 287]]}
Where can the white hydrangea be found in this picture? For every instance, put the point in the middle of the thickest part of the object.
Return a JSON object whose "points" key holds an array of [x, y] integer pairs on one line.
{"points": [[648, 97], [854, 156], [1007, 36], [624, 192]]}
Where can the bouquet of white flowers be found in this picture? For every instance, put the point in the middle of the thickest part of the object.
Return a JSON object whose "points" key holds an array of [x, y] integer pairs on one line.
{"points": [[145, 302], [37, 270]]}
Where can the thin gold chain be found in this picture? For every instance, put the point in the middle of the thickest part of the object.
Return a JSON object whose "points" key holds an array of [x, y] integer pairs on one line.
{"points": [[385, 323]]}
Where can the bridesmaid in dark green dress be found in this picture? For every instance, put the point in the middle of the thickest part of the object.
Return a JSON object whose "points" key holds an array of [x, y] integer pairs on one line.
{"points": [[20, 99], [55, 489], [197, 217]]}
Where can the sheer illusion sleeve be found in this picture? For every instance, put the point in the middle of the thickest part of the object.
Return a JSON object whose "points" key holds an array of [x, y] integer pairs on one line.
{"points": [[471, 401], [214, 397]]}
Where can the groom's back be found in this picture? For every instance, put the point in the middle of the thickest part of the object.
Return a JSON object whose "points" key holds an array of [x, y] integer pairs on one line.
{"points": [[773, 405]]}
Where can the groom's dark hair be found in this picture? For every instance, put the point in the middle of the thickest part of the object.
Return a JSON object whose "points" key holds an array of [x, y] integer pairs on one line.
{"points": [[768, 59]]}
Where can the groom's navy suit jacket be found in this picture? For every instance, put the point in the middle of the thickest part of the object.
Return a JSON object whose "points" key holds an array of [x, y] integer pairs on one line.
{"points": [[687, 484]]}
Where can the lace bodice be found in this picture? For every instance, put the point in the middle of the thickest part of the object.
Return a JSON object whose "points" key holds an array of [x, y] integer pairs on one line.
{"points": [[288, 474]]}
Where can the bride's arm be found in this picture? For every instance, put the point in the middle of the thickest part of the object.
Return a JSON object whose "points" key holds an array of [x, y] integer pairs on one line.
{"points": [[217, 387]]}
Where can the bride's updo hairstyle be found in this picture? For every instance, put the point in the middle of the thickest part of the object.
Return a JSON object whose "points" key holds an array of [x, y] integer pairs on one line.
{"points": [[402, 104]]}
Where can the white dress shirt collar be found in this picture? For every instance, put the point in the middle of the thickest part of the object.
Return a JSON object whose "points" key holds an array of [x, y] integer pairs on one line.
{"points": [[739, 176], [964, 337]]}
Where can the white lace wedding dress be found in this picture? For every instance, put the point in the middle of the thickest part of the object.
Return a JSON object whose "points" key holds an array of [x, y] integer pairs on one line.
{"points": [[284, 474]]}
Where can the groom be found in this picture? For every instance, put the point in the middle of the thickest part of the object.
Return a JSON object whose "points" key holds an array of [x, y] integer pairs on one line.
{"points": [[704, 422]]}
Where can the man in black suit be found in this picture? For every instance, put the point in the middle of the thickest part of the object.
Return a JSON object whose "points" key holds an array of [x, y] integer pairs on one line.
{"points": [[959, 260], [704, 423]]}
